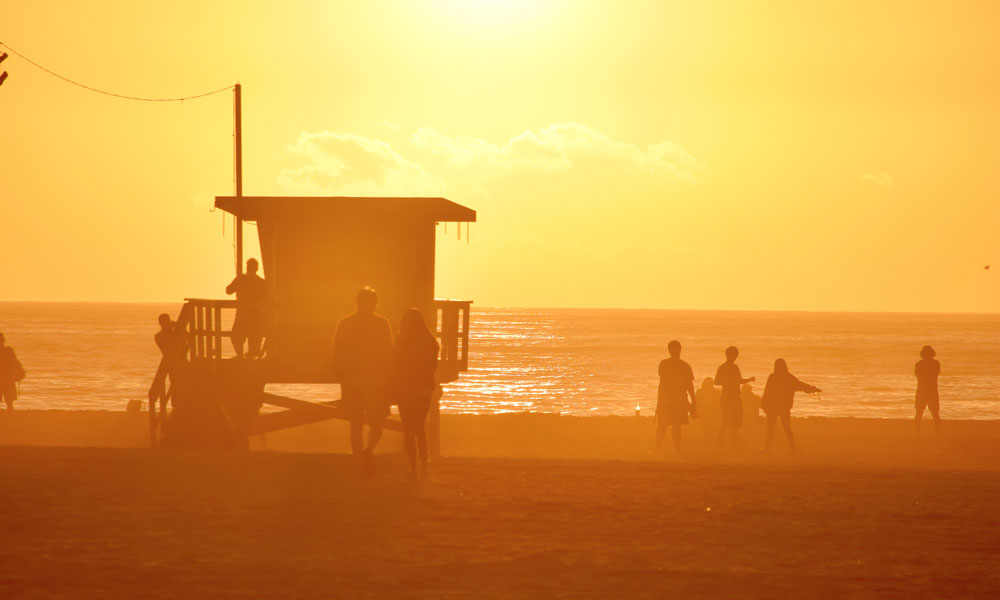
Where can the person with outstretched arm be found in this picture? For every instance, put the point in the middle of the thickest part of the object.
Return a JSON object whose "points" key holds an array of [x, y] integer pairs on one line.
{"points": [[779, 395]]}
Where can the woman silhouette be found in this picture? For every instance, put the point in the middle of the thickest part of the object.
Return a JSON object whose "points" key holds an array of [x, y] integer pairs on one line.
{"points": [[779, 394], [414, 360]]}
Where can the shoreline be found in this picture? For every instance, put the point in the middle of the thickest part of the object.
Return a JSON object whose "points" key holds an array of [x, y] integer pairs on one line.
{"points": [[848, 441]]}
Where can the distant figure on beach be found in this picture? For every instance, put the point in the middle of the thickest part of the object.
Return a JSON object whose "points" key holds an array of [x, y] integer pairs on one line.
{"points": [[163, 335], [11, 372], [411, 384], [708, 408], [672, 407], [251, 306], [779, 395], [362, 353], [729, 378], [927, 370], [751, 405]]}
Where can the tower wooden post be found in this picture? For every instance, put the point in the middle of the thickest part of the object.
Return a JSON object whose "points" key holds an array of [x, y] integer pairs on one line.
{"points": [[238, 113]]}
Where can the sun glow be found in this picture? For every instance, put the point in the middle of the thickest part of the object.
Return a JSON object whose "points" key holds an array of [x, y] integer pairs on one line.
{"points": [[494, 13]]}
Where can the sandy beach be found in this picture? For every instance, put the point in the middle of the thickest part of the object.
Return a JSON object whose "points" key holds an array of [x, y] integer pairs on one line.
{"points": [[592, 520]]}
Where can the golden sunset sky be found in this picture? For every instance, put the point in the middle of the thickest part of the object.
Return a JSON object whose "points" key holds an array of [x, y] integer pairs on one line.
{"points": [[700, 155]]}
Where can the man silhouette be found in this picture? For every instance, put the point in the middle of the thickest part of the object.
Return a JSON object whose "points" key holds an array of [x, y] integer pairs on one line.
{"points": [[927, 370], [729, 378], [672, 408], [251, 303], [362, 353]]}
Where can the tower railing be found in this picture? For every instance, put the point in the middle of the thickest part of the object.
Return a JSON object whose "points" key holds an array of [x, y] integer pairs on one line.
{"points": [[452, 331], [198, 333]]}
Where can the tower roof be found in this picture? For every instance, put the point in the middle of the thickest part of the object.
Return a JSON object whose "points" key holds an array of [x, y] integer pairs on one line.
{"points": [[250, 208]]}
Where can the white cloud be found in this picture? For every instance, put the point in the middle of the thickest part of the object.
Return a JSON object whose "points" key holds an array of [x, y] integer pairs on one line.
{"points": [[348, 164], [558, 148], [880, 179], [352, 165]]}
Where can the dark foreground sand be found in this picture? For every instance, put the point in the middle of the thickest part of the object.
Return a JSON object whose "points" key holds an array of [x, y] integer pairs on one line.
{"points": [[139, 523]]}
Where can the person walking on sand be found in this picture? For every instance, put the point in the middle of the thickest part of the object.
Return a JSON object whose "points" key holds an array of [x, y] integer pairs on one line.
{"points": [[779, 395], [729, 378], [362, 351], [251, 306], [11, 373], [411, 384], [672, 407], [927, 370]]}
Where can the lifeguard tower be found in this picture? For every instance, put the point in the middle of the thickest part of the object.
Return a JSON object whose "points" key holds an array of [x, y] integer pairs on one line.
{"points": [[316, 253]]}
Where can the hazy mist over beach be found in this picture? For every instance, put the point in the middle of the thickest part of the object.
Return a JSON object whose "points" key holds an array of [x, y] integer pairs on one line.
{"points": [[495, 299]]}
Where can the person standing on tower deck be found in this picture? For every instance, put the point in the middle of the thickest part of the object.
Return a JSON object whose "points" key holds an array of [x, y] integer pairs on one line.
{"points": [[11, 372], [163, 335], [729, 378], [362, 353], [672, 407], [927, 370], [251, 306]]}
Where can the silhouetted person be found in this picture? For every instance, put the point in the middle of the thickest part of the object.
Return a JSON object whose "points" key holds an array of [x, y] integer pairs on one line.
{"points": [[708, 408], [927, 370], [251, 306], [672, 408], [163, 335], [779, 395], [362, 352], [414, 360], [751, 405], [11, 373], [729, 378]]}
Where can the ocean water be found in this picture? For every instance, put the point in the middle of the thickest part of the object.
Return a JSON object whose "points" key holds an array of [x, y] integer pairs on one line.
{"points": [[569, 361]]}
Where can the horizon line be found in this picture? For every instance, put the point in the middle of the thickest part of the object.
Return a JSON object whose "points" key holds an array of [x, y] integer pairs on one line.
{"points": [[757, 310]]}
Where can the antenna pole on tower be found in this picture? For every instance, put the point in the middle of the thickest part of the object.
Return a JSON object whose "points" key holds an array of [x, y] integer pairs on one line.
{"points": [[238, 113]]}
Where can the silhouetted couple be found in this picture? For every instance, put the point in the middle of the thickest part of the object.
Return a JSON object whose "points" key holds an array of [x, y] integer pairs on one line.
{"points": [[737, 399], [677, 385], [374, 373], [11, 372]]}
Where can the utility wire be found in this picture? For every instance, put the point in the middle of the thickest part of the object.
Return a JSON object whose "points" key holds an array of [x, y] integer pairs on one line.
{"points": [[92, 89]]}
